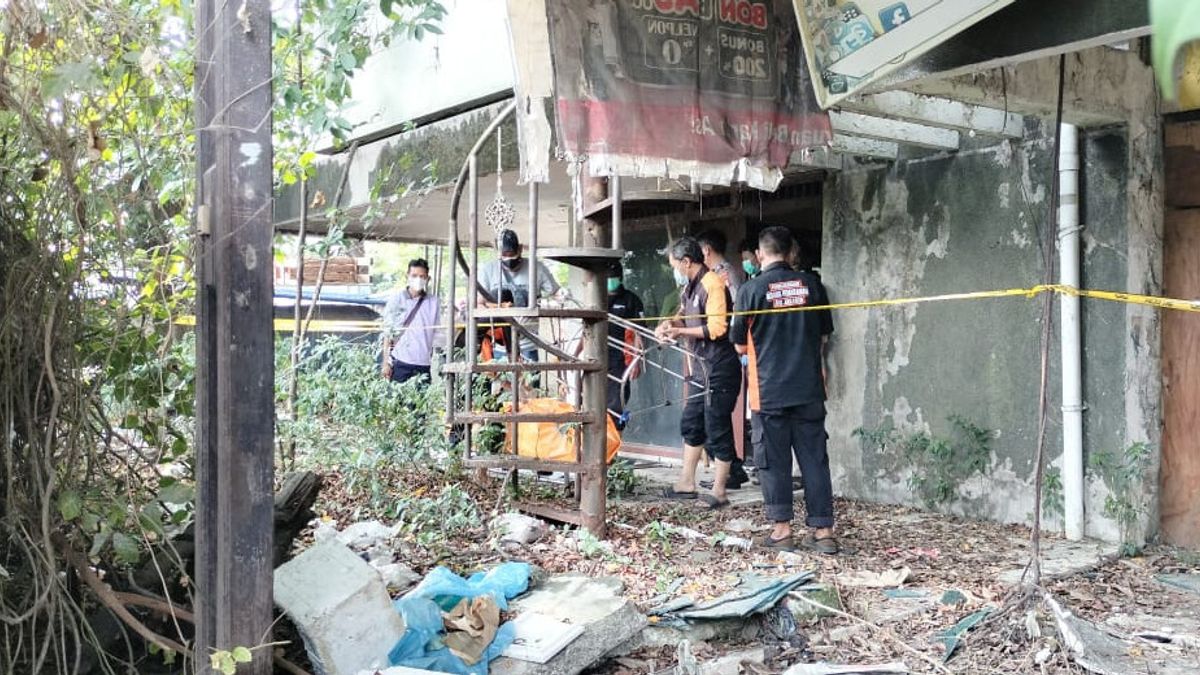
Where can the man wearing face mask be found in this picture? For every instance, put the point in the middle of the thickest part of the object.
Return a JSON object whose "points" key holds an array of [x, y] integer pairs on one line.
{"points": [[715, 372], [510, 276], [412, 328], [750, 263], [625, 304]]}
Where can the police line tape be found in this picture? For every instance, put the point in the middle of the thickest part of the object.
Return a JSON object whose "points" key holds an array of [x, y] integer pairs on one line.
{"points": [[349, 326]]}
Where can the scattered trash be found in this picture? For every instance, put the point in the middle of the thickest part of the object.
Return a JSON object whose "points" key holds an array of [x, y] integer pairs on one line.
{"points": [[953, 636], [422, 648], [396, 577], [539, 638], [827, 669], [446, 588], [341, 608], [366, 534], [904, 593], [469, 609], [672, 606], [953, 597], [1043, 656], [518, 528], [866, 579], [752, 594], [736, 542], [470, 627]]}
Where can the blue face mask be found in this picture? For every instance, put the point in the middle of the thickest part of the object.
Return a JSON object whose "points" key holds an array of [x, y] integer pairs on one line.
{"points": [[680, 278], [750, 268], [613, 284]]}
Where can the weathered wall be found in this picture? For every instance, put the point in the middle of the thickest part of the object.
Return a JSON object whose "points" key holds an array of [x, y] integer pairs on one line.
{"points": [[971, 221]]}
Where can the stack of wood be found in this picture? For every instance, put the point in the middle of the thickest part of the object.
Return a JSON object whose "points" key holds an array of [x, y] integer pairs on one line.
{"points": [[343, 270]]}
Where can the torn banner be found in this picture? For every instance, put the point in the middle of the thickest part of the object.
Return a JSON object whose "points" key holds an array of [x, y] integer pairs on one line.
{"points": [[716, 90]]}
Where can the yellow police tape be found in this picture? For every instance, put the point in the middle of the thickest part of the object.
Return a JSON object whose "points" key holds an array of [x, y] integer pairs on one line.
{"points": [[326, 326]]}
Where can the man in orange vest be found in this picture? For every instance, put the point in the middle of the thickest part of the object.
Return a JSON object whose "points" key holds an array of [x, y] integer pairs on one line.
{"points": [[625, 304]]}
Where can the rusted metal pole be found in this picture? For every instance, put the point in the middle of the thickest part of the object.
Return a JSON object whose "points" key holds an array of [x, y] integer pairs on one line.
{"points": [[235, 355]]}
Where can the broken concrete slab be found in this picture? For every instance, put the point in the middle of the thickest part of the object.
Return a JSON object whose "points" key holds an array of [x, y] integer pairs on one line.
{"points": [[341, 607], [1180, 631], [1062, 558], [609, 621], [1180, 582], [1099, 652]]}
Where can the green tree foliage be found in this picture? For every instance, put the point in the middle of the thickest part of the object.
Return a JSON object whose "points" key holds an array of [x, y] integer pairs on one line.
{"points": [[96, 374]]}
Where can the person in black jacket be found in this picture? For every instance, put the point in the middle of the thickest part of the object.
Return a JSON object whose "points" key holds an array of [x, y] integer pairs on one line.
{"points": [[785, 350]]}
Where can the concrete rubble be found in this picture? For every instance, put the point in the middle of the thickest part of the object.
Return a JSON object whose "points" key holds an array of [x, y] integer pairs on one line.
{"points": [[1099, 651], [341, 607], [609, 621], [518, 528]]}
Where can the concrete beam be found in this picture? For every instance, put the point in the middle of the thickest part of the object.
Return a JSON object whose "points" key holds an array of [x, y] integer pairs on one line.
{"points": [[1102, 86], [865, 147], [819, 158], [857, 124], [939, 112]]}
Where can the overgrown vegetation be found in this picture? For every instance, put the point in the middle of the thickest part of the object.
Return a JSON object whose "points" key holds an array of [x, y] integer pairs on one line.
{"points": [[1122, 473], [97, 136], [940, 464]]}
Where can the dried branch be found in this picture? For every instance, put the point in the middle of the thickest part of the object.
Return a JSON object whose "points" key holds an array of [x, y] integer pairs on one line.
{"points": [[109, 599]]}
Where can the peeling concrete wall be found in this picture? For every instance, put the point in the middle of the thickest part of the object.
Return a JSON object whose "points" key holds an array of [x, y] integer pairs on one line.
{"points": [[972, 221]]}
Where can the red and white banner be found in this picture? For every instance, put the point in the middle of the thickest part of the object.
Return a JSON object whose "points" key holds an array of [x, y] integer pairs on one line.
{"points": [[716, 90]]}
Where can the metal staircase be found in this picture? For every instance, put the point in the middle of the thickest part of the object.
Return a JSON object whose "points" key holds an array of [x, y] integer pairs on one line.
{"points": [[590, 366]]}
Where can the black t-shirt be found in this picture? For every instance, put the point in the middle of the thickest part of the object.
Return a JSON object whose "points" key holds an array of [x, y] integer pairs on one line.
{"points": [[627, 305], [784, 347]]}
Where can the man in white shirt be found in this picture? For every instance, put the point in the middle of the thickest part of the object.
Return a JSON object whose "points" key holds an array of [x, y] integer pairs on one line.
{"points": [[412, 327]]}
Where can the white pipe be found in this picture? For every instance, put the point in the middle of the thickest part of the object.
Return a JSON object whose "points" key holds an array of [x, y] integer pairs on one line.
{"points": [[1071, 344]]}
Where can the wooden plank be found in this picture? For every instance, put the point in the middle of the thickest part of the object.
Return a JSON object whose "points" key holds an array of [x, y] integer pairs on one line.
{"points": [[235, 428], [857, 124], [521, 418], [1180, 498], [940, 112], [511, 462], [1181, 154]]}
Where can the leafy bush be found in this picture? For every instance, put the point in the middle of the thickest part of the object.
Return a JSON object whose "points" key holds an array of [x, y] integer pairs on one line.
{"points": [[940, 464], [349, 418]]}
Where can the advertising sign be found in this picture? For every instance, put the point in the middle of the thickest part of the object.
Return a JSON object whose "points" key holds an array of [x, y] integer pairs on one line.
{"points": [[717, 90], [852, 44]]}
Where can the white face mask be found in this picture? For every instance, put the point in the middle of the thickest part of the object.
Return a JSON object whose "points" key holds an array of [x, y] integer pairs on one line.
{"points": [[418, 283]]}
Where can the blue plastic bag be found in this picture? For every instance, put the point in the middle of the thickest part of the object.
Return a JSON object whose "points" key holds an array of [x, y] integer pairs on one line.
{"points": [[446, 588], [441, 590]]}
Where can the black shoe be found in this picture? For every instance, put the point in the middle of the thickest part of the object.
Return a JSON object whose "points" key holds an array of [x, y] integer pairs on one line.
{"points": [[731, 483]]}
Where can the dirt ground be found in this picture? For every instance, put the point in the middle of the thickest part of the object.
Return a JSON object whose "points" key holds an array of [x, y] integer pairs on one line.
{"points": [[948, 568]]}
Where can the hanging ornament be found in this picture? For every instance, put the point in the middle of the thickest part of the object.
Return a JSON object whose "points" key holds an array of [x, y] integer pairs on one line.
{"points": [[500, 214]]}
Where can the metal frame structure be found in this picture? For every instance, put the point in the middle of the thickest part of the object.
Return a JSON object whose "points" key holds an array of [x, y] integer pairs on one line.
{"points": [[461, 371]]}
